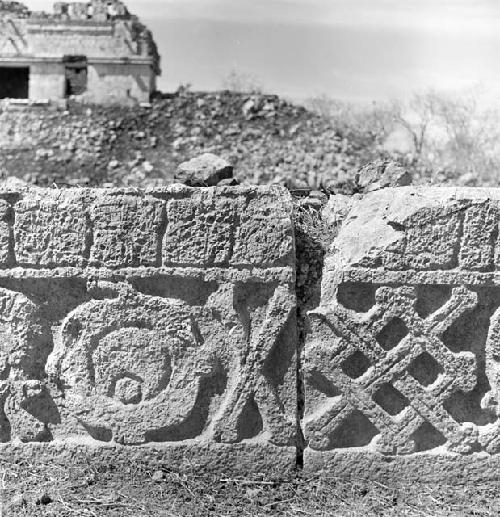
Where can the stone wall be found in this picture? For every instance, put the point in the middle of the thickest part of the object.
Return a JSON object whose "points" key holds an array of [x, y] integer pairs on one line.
{"points": [[158, 323], [402, 358], [162, 324]]}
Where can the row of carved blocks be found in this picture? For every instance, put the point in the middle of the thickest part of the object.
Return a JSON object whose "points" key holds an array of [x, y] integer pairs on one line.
{"points": [[166, 322], [241, 228]]}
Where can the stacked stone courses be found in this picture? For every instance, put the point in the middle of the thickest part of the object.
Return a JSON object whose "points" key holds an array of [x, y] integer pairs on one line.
{"points": [[162, 325], [401, 364], [156, 323]]}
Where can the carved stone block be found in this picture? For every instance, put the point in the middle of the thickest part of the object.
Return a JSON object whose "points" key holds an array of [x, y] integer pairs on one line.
{"points": [[125, 324], [126, 230], [52, 228], [264, 237], [402, 358], [200, 229]]}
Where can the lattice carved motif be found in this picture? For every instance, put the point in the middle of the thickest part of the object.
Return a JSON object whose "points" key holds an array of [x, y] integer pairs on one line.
{"points": [[386, 376]]}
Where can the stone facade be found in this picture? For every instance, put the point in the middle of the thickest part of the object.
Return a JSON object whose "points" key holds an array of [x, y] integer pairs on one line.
{"points": [[162, 324], [96, 52], [144, 320], [401, 364]]}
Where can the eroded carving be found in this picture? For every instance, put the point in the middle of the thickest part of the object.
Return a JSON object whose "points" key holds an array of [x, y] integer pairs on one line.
{"points": [[416, 367], [144, 368], [392, 386], [28, 409], [115, 331], [131, 364], [254, 392]]}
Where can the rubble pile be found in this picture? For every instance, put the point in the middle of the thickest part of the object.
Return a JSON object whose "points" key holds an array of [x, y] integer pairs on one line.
{"points": [[16, 8], [266, 139]]}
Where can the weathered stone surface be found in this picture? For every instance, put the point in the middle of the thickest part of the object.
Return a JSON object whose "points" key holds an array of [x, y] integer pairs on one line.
{"points": [[126, 230], [243, 228], [401, 363], [51, 228], [26, 344], [125, 323], [140, 368], [421, 229], [480, 233], [206, 170], [264, 236], [200, 229], [382, 174], [337, 209]]}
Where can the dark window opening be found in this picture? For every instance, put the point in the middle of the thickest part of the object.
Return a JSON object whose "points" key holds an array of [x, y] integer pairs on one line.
{"points": [[76, 75], [14, 82]]}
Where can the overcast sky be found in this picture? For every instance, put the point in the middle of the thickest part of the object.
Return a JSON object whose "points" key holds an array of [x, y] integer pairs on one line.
{"points": [[359, 50]]}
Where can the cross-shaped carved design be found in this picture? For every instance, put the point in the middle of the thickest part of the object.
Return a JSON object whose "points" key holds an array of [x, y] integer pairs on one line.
{"points": [[391, 368]]}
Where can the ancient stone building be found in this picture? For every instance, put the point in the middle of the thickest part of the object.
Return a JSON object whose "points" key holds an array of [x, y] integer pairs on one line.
{"points": [[96, 51]]}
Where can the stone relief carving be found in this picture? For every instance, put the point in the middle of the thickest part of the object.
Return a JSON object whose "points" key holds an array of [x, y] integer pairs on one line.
{"points": [[403, 354], [387, 376], [134, 368]]}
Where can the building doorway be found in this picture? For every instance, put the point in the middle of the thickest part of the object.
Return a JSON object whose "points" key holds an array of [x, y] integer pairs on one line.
{"points": [[14, 82], [76, 75]]}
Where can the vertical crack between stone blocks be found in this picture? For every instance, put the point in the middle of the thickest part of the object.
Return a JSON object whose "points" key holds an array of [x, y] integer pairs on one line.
{"points": [[300, 446], [89, 237], [312, 238], [299, 291], [161, 232], [11, 199]]}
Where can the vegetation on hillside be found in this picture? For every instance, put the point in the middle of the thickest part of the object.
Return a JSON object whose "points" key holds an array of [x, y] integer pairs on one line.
{"points": [[442, 138]]}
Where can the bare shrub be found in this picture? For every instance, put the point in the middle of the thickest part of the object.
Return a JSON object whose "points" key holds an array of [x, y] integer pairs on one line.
{"points": [[454, 137]]}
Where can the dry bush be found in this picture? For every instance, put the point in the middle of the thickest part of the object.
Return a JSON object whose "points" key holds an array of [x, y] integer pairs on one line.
{"points": [[454, 137]]}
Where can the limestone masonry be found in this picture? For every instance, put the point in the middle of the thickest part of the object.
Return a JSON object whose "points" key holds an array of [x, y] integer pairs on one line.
{"points": [[94, 51], [402, 361], [162, 324], [164, 318]]}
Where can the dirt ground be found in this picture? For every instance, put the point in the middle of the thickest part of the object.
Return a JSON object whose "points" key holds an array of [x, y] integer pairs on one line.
{"points": [[108, 490]]}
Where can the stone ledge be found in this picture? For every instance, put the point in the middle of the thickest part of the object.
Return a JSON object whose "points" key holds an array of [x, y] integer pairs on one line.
{"points": [[245, 459], [279, 274], [418, 468]]}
